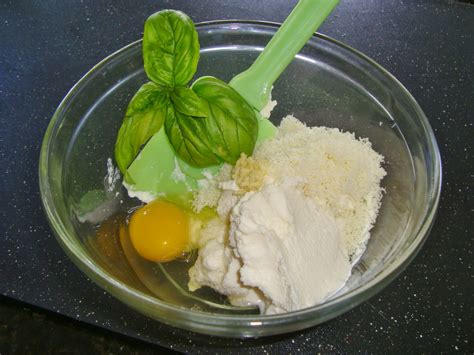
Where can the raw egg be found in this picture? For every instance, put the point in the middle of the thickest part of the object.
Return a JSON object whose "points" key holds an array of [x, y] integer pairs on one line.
{"points": [[159, 231]]}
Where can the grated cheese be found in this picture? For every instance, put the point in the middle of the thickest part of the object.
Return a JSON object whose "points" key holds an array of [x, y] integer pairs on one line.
{"points": [[340, 173]]}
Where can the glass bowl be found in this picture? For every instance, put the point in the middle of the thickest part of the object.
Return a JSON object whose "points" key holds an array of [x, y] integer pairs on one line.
{"points": [[327, 84]]}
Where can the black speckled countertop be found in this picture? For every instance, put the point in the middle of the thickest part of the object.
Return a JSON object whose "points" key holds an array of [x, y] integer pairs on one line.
{"points": [[46, 46]]}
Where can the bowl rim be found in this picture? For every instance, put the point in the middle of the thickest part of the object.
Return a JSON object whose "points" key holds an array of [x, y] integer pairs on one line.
{"points": [[212, 323]]}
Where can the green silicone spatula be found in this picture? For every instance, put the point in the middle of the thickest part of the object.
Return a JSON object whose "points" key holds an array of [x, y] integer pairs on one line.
{"points": [[157, 171]]}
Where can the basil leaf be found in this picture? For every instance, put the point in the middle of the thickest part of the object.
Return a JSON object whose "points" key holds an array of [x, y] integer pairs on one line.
{"points": [[189, 138], [144, 117], [231, 122], [187, 102], [170, 48]]}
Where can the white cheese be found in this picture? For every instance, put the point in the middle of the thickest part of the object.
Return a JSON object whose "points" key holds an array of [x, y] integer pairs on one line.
{"points": [[143, 196], [112, 177], [177, 174], [217, 267], [267, 110], [340, 173], [291, 242], [282, 254], [209, 189], [289, 249]]}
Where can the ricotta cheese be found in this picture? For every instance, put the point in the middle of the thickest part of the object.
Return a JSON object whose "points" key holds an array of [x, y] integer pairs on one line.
{"points": [[282, 253], [289, 249]]}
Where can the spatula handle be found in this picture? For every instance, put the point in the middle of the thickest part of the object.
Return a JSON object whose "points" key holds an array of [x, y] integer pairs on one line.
{"points": [[255, 83]]}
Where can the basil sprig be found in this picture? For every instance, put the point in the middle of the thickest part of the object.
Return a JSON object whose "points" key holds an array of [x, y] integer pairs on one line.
{"points": [[206, 124]]}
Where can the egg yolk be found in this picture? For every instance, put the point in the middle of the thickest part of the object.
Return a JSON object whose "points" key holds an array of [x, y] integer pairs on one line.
{"points": [[159, 231]]}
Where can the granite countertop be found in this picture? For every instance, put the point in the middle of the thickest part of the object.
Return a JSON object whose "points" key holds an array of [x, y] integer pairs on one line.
{"points": [[47, 46]]}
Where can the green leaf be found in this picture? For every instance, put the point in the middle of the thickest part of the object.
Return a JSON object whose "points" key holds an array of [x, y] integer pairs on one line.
{"points": [[170, 48], [144, 117], [189, 138], [231, 123], [187, 102]]}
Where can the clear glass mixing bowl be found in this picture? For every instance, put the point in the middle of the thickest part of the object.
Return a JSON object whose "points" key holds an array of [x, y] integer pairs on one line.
{"points": [[327, 84]]}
